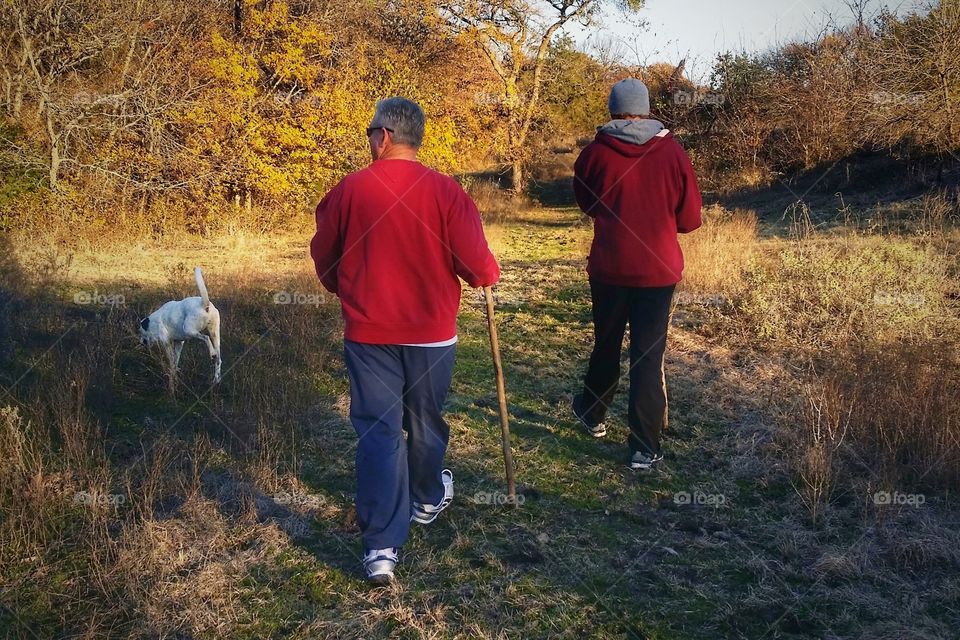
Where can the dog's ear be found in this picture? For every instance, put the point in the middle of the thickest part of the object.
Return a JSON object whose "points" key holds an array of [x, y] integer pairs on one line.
{"points": [[145, 323]]}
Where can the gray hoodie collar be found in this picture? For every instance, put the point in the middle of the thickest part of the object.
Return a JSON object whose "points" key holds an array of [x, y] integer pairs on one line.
{"points": [[633, 131]]}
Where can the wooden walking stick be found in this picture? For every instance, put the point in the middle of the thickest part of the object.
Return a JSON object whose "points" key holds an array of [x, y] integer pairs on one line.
{"points": [[502, 397]]}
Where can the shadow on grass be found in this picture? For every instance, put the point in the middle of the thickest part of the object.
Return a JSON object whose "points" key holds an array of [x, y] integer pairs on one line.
{"points": [[861, 182], [582, 556], [554, 193]]}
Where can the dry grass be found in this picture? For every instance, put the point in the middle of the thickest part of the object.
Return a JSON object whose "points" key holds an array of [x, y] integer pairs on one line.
{"points": [[117, 517], [85, 259], [718, 254], [869, 323], [496, 205], [236, 519], [937, 211], [824, 423]]}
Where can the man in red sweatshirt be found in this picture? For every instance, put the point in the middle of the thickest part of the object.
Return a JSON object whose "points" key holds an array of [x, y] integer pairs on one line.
{"points": [[637, 183], [391, 241]]}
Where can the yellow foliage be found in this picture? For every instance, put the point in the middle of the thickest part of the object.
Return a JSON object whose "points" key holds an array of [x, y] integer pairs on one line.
{"points": [[278, 121]]}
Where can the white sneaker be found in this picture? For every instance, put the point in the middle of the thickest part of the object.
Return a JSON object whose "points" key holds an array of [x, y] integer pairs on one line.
{"points": [[597, 430], [641, 461], [427, 513], [379, 564]]}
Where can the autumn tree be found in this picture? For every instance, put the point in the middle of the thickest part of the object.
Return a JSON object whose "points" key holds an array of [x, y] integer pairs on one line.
{"points": [[575, 89], [515, 36], [92, 86], [165, 110], [288, 96], [49, 41]]}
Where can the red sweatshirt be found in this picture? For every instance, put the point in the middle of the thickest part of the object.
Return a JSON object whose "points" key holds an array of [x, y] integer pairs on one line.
{"points": [[640, 196], [391, 240]]}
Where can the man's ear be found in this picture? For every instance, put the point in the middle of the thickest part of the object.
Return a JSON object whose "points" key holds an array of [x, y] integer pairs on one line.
{"points": [[385, 140], [145, 324]]}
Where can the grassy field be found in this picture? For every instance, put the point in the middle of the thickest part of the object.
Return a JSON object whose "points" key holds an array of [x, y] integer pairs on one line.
{"points": [[227, 511]]}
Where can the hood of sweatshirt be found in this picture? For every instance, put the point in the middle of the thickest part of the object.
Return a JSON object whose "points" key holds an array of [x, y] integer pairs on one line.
{"points": [[635, 133]]}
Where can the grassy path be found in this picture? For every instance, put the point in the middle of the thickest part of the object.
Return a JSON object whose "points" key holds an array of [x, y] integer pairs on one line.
{"points": [[595, 550], [239, 520]]}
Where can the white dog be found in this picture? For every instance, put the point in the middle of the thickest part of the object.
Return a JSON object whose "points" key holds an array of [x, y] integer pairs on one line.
{"points": [[180, 320]]}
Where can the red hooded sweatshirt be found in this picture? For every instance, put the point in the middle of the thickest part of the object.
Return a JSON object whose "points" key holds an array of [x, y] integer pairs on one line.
{"points": [[391, 240], [640, 193]]}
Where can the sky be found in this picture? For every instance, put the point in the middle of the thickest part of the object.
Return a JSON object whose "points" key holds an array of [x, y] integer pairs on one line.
{"points": [[699, 29]]}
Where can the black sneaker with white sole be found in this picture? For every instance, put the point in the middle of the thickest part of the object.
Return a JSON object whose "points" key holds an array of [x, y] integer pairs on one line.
{"points": [[595, 429], [427, 513], [379, 564], [640, 461]]}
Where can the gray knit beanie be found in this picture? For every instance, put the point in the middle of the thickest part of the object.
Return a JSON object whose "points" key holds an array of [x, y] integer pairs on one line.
{"points": [[629, 97]]}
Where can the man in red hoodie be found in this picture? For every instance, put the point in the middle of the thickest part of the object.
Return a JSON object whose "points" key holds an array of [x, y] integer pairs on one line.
{"points": [[637, 183], [391, 241]]}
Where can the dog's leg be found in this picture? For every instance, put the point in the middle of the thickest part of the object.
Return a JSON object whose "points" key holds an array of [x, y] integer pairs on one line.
{"points": [[214, 355], [171, 354], [214, 330], [177, 350]]}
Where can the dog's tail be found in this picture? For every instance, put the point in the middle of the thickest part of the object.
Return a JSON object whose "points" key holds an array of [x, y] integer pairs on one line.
{"points": [[198, 274]]}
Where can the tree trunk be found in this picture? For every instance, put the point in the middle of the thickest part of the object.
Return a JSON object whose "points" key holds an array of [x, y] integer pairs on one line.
{"points": [[54, 166], [8, 91], [519, 185], [519, 177], [17, 82], [18, 99], [237, 16], [55, 159]]}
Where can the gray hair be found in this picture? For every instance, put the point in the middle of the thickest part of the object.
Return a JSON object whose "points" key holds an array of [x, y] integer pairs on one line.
{"points": [[405, 117]]}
